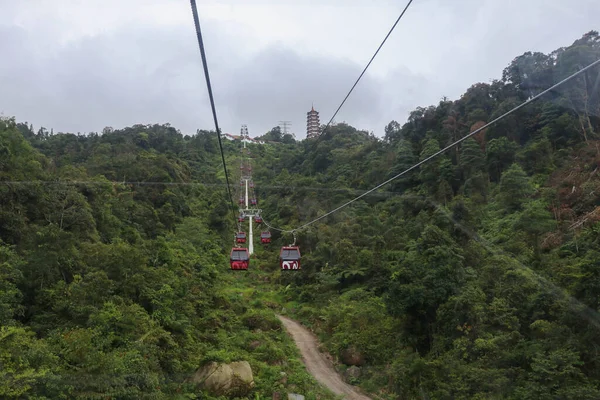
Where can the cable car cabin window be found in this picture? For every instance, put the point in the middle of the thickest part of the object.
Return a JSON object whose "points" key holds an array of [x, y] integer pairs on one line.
{"points": [[290, 254], [241, 235], [239, 255]]}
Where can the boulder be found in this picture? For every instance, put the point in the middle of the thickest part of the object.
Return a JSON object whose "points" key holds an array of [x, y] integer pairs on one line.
{"points": [[254, 344], [353, 372], [295, 396], [284, 378], [242, 376], [271, 305], [351, 356], [233, 379], [277, 396]]}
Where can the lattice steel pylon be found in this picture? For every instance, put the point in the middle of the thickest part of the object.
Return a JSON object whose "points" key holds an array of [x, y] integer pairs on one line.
{"points": [[284, 125]]}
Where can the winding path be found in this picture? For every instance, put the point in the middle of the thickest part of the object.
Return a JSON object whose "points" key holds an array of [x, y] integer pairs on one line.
{"points": [[317, 364]]}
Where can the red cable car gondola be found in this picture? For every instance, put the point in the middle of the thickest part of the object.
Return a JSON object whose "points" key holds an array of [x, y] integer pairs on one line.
{"points": [[258, 219], [253, 202], [241, 200], [265, 237], [239, 258], [289, 258], [240, 237], [251, 184], [241, 218]]}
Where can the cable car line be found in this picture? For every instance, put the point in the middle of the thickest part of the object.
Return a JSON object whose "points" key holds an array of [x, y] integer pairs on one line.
{"points": [[368, 64], [239, 258], [506, 114], [275, 228], [212, 100]]}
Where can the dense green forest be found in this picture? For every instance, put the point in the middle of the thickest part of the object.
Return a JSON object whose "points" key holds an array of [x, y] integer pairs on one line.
{"points": [[476, 276], [115, 289]]}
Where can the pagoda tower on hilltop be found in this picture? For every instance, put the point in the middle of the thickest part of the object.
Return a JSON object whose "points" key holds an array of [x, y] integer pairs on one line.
{"points": [[312, 123]]}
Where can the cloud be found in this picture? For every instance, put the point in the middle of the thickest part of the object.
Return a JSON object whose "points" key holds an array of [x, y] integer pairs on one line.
{"points": [[148, 75], [80, 66], [131, 76], [280, 84]]}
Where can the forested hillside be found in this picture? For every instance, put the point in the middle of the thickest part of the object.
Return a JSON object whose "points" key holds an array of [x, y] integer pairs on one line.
{"points": [[113, 270], [476, 276]]}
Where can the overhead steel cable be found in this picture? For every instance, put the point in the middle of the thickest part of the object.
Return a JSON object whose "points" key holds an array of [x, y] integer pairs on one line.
{"points": [[212, 101], [274, 228], [369, 64], [506, 114]]}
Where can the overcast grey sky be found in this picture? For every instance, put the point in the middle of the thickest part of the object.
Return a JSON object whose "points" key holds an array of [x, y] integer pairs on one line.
{"points": [[81, 65]]}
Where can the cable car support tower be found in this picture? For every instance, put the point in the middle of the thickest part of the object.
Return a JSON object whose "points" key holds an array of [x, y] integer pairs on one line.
{"points": [[248, 203]]}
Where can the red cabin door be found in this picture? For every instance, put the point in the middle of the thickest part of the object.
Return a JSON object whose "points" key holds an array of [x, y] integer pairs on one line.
{"points": [[239, 265]]}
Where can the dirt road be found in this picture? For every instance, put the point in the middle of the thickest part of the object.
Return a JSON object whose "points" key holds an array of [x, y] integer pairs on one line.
{"points": [[316, 363]]}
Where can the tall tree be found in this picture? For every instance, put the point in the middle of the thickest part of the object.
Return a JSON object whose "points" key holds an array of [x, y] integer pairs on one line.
{"points": [[514, 188]]}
